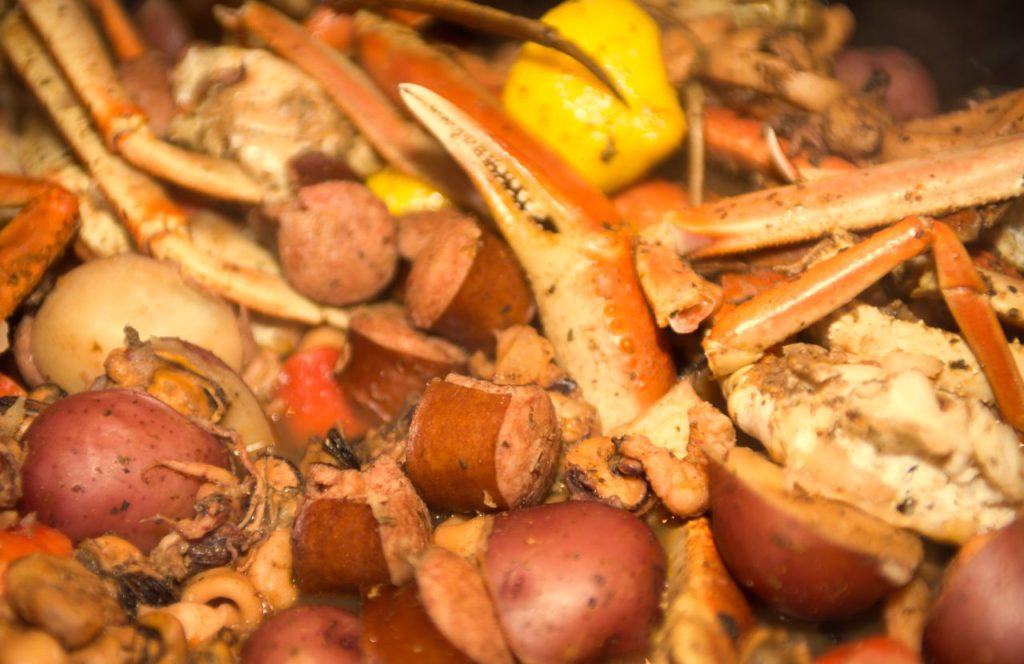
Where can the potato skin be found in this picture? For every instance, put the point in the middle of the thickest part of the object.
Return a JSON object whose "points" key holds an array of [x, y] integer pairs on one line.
{"points": [[979, 613], [89, 470], [574, 581], [311, 634]]}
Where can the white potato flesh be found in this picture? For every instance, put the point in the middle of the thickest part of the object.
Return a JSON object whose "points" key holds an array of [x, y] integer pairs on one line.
{"points": [[84, 317]]}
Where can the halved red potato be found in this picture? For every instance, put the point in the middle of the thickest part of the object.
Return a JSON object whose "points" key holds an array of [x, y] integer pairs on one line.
{"points": [[979, 613], [805, 556]]}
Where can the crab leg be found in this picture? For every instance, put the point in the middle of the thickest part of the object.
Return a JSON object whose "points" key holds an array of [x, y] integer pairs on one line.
{"points": [[582, 276], [741, 336], [76, 46], [156, 224], [36, 236], [402, 143], [967, 297], [860, 199], [123, 36]]}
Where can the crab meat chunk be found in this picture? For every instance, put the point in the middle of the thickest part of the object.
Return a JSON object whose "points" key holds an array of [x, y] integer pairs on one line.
{"points": [[261, 111], [883, 438]]}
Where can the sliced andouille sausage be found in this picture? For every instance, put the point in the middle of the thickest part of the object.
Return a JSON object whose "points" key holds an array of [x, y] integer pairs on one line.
{"points": [[392, 362], [358, 528], [477, 446], [456, 599], [310, 168], [337, 242], [417, 229], [465, 284]]}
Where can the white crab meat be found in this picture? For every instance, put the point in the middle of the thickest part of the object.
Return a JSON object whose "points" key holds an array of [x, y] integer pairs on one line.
{"points": [[882, 438], [261, 111], [873, 334]]}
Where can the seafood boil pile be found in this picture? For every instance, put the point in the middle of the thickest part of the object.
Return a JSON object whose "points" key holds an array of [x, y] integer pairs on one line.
{"points": [[419, 331]]}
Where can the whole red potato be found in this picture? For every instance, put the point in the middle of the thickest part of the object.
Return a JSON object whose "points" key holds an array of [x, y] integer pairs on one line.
{"points": [[313, 634], [804, 555], [90, 469], [574, 582], [911, 92]]}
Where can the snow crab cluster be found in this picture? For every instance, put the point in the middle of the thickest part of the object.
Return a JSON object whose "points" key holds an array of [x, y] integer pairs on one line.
{"points": [[340, 339]]}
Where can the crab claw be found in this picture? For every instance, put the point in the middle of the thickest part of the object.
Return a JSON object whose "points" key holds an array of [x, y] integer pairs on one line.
{"points": [[580, 267]]}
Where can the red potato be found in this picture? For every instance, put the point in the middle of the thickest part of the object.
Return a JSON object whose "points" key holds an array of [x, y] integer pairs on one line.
{"points": [[805, 556], [911, 93], [90, 469], [574, 582], [979, 613], [314, 634]]}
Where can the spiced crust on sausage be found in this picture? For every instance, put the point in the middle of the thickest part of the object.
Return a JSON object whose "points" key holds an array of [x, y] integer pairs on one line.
{"points": [[337, 243]]}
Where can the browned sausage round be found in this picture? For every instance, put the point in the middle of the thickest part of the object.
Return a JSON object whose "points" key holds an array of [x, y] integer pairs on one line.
{"points": [[391, 362], [358, 528], [337, 243], [474, 445], [466, 284]]}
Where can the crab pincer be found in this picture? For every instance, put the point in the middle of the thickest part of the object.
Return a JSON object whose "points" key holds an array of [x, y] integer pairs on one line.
{"points": [[582, 274]]}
